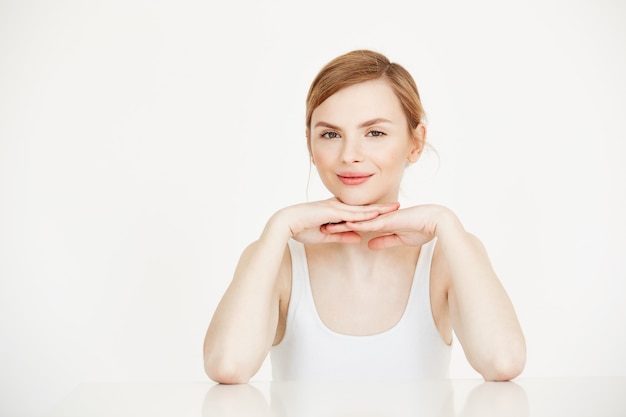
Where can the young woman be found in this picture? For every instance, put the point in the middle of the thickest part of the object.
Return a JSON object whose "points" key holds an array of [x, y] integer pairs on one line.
{"points": [[355, 287]]}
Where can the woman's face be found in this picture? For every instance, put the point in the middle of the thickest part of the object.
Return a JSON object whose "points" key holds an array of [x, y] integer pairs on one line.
{"points": [[361, 143]]}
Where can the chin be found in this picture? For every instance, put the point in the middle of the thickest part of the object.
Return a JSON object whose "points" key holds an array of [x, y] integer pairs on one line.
{"points": [[353, 200]]}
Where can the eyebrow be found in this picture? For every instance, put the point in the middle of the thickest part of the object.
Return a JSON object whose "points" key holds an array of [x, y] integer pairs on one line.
{"points": [[367, 123]]}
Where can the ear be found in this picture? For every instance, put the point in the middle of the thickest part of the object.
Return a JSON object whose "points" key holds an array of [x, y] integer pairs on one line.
{"points": [[419, 140]]}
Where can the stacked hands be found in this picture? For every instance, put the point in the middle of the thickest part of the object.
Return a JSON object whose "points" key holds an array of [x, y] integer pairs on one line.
{"points": [[382, 225]]}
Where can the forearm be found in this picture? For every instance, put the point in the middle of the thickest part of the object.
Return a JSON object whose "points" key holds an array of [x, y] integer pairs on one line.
{"points": [[482, 314], [244, 323]]}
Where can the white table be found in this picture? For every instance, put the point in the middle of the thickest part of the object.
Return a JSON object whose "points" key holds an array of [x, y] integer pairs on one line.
{"points": [[532, 397]]}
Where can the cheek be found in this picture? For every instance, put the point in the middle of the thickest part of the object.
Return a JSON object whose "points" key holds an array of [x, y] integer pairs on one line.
{"points": [[320, 159], [395, 161]]}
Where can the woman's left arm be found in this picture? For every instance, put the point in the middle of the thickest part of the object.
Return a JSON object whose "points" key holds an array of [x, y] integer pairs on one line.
{"points": [[481, 312]]}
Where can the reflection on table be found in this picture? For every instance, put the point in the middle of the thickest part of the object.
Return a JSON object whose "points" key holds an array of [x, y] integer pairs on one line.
{"points": [[533, 397], [397, 399]]}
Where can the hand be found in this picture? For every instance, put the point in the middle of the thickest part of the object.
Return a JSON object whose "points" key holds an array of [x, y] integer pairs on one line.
{"points": [[412, 226], [307, 221]]}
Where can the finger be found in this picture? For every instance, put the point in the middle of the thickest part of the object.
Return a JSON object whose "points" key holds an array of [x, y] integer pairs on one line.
{"points": [[343, 237], [378, 224], [349, 216], [332, 228], [384, 242], [388, 208], [364, 225]]}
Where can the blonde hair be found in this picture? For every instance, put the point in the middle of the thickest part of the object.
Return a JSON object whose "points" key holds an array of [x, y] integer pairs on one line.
{"points": [[359, 66]]}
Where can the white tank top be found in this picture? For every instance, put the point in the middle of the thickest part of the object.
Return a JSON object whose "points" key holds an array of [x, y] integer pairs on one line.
{"points": [[411, 349]]}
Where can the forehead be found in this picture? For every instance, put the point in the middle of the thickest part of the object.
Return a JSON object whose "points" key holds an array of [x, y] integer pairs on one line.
{"points": [[363, 101]]}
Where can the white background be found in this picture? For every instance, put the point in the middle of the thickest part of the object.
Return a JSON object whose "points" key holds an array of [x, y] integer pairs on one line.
{"points": [[143, 145]]}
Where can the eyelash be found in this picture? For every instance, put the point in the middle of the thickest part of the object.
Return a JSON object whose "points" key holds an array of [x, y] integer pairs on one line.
{"points": [[377, 135], [371, 133], [328, 132]]}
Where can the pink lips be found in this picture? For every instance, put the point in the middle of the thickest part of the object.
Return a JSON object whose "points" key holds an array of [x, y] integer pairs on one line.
{"points": [[354, 178]]}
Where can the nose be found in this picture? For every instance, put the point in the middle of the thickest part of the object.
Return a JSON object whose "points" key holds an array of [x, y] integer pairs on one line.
{"points": [[351, 150]]}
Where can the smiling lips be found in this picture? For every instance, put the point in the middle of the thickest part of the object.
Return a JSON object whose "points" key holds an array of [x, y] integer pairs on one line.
{"points": [[354, 178]]}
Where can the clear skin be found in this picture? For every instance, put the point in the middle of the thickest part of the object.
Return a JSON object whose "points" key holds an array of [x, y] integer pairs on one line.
{"points": [[362, 249]]}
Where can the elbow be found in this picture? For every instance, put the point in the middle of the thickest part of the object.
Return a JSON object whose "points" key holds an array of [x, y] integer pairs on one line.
{"points": [[504, 371], [225, 372], [505, 367]]}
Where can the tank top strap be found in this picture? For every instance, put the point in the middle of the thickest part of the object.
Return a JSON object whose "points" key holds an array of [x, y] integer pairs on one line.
{"points": [[299, 279], [421, 278], [419, 304]]}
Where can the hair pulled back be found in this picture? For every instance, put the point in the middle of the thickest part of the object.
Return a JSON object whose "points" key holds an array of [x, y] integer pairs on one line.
{"points": [[359, 66]]}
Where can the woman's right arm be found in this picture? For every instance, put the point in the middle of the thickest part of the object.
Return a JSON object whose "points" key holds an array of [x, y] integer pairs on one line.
{"points": [[244, 324]]}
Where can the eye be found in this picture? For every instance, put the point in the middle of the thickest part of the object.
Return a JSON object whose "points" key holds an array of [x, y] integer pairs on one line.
{"points": [[330, 135], [375, 133]]}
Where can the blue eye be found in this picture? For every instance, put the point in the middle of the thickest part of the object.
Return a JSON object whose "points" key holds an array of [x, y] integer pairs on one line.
{"points": [[375, 133], [330, 135]]}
